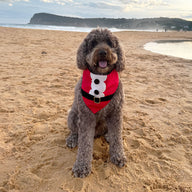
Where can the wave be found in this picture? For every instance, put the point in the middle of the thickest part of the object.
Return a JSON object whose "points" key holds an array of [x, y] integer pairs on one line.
{"points": [[62, 28]]}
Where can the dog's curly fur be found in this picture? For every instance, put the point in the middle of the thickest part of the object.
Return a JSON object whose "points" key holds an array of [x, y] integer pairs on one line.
{"points": [[100, 44]]}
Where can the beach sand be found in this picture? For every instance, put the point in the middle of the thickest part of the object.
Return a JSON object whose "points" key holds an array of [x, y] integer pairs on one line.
{"points": [[38, 74]]}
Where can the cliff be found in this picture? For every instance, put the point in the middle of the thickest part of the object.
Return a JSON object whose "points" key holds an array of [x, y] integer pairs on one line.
{"points": [[143, 24]]}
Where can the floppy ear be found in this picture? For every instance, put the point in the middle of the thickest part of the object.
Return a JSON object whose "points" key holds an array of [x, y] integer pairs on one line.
{"points": [[81, 55], [120, 65]]}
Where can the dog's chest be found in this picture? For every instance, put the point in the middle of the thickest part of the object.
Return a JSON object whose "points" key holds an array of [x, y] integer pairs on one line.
{"points": [[100, 87]]}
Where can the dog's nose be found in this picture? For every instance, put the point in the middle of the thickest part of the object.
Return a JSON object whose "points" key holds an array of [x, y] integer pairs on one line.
{"points": [[102, 53]]}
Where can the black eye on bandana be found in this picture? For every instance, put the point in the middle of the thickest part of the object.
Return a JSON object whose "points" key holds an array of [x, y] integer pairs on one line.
{"points": [[96, 81], [96, 92]]}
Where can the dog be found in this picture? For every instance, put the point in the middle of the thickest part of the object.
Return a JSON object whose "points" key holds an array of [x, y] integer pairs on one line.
{"points": [[97, 106]]}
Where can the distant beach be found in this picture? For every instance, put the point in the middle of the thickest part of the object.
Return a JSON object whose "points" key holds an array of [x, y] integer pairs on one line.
{"points": [[38, 74]]}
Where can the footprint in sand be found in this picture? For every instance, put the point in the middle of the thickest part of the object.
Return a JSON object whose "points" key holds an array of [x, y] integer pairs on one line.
{"points": [[155, 101], [134, 144]]}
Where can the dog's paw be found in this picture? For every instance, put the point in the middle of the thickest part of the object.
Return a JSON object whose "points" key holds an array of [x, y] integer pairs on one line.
{"points": [[81, 170], [72, 140], [118, 160]]}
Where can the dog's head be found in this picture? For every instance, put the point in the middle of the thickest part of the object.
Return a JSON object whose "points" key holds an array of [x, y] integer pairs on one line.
{"points": [[100, 52]]}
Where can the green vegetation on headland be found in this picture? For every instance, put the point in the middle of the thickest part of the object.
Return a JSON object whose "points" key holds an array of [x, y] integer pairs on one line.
{"points": [[162, 23]]}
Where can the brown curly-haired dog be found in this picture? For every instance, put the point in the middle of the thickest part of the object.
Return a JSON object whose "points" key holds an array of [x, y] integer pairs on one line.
{"points": [[94, 112]]}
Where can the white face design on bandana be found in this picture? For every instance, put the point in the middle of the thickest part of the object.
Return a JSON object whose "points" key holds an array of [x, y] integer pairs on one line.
{"points": [[98, 85]]}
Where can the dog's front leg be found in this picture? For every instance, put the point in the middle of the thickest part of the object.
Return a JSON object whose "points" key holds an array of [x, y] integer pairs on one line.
{"points": [[114, 123], [86, 132]]}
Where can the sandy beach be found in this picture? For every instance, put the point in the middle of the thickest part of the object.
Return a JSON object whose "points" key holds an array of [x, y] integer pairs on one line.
{"points": [[38, 74]]}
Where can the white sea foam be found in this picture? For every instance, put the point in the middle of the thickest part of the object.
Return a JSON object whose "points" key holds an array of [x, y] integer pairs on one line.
{"points": [[51, 27], [63, 28]]}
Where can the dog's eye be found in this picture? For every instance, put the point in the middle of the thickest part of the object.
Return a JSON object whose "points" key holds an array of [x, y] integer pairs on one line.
{"points": [[109, 42], [93, 43]]}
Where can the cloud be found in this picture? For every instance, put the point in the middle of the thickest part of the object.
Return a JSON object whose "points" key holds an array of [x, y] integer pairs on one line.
{"points": [[12, 1], [144, 3], [60, 2], [131, 5], [187, 16], [103, 5]]}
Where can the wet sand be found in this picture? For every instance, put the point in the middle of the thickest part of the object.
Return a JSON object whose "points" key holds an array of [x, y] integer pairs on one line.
{"points": [[38, 74]]}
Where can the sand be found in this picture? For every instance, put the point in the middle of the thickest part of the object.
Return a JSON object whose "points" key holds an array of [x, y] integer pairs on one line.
{"points": [[38, 74]]}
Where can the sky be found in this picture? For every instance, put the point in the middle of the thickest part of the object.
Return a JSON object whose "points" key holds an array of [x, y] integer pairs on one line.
{"points": [[20, 11]]}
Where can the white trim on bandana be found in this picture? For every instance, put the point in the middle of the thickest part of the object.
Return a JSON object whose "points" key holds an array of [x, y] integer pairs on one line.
{"points": [[98, 85]]}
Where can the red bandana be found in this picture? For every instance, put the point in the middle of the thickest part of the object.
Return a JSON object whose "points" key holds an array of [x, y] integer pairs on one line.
{"points": [[99, 86]]}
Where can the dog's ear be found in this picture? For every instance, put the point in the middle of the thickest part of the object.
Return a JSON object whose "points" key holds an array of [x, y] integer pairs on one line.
{"points": [[120, 65], [81, 55]]}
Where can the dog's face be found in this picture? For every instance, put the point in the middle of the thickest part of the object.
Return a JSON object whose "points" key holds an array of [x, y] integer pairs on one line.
{"points": [[101, 56], [100, 52]]}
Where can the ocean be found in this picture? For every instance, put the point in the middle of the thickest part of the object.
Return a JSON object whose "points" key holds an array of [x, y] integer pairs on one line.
{"points": [[62, 28], [52, 27], [176, 48]]}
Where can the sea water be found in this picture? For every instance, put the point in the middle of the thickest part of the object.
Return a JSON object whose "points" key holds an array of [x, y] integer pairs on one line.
{"points": [[64, 28], [176, 48], [52, 27]]}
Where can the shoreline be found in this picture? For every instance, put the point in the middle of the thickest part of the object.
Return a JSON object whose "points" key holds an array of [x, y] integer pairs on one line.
{"points": [[75, 29], [38, 75]]}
